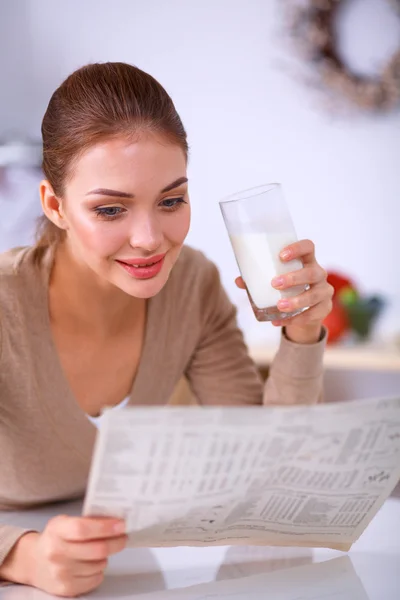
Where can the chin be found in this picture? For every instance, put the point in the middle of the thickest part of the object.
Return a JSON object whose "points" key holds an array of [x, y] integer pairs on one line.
{"points": [[144, 289]]}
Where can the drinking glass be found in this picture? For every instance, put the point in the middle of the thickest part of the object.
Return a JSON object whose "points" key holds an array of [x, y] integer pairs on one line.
{"points": [[259, 227]]}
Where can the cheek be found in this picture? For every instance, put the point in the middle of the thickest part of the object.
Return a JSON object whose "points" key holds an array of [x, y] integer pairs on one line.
{"points": [[176, 226], [97, 236]]}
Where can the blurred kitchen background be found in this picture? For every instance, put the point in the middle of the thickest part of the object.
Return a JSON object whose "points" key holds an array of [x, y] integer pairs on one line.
{"points": [[253, 115]]}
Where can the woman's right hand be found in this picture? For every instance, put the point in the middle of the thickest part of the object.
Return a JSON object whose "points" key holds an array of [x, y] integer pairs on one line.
{"points": [[69, 557]]}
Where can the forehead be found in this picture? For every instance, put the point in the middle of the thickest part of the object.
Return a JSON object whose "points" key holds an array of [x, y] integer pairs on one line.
{"points": [[147, 163]]}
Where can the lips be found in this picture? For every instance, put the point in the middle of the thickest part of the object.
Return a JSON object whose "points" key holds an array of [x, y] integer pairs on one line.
{"points": [[143, 268], [142, 262]]}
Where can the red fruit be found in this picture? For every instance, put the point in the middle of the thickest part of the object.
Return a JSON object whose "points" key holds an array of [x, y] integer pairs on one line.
{"points": [[337, 322], [339, 281]]}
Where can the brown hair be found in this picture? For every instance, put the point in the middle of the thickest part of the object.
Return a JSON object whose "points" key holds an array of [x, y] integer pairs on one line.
{"points": [[97, 102]]}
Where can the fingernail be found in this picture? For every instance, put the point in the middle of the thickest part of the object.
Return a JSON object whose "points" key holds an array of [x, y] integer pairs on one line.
{"points": [[119, 528], [283, 304], [278, 281], [285, 254]]}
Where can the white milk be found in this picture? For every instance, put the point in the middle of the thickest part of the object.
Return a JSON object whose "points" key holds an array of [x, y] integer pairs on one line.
{"points": [[257, 255]]}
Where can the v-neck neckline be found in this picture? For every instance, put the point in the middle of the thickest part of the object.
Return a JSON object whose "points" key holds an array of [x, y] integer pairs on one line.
{"points": [[72, 412]]}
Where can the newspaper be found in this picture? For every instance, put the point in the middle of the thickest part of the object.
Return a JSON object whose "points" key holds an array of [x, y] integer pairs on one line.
{"points": [[195, 476]]}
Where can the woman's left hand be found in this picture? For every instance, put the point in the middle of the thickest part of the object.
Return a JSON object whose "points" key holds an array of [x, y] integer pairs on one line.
{"points": [[305, 327]]}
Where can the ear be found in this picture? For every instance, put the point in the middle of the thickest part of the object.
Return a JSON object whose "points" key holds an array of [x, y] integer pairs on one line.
{"points": [[52, 206]]}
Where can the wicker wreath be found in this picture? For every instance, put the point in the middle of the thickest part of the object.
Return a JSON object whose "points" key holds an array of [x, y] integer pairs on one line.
{"points": [[313, 25]]}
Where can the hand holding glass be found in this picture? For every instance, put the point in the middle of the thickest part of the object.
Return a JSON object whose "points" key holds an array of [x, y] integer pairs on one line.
{"points": [[260, 227]]}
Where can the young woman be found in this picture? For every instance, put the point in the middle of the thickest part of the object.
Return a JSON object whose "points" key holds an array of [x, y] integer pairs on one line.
{"points": [[110, 308]]}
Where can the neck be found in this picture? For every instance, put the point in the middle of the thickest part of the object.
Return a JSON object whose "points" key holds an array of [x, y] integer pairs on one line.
{"points": [[84, 302]]}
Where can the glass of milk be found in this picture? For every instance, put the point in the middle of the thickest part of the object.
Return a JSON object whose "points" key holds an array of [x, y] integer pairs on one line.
{"points": [[259, 227]]}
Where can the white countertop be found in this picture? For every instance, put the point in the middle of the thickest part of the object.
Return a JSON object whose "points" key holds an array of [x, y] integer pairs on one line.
{"points": [[367, 356], [370, 571]]}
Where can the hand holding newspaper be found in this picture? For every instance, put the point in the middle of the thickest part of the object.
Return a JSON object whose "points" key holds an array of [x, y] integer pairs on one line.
{"points": [[296, 476]]}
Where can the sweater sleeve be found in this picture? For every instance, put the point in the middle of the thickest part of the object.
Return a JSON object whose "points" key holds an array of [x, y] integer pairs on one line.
{"points": [[9, 536], [296, 373], [221, 371]]}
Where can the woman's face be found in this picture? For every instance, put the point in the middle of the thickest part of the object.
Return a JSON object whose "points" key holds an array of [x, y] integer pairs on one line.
{"points": [[126, 210]]}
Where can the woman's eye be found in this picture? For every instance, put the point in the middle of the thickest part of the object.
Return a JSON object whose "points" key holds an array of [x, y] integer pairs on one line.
{"points": [[109, 212], [173, 203]]}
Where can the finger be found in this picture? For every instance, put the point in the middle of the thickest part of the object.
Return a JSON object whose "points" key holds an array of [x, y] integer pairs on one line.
{"points": [[78, 586], [309, 316], [312, 274], [303, 249], [91, 582], [315, 295], [240, 283], [77, 529], [278, 322], [79, 569], [88, 568], [95, 550]]}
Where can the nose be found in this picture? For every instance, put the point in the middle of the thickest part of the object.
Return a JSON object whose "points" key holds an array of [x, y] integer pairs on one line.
{"points": [[146, 233]]}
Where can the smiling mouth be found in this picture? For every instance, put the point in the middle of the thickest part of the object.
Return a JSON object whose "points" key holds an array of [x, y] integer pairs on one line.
{"points": [[142, 262], [141, 269], [143, 265]]}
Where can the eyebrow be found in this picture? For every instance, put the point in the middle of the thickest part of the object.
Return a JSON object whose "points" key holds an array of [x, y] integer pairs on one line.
{"points": [[117, 194]]}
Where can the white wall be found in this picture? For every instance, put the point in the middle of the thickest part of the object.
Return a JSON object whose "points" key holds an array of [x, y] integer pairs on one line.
{"points": [[16, 81], [249, 121]]}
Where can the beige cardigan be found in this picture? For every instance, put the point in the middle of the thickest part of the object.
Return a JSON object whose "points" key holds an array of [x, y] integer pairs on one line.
{"points": [[46, 440]]}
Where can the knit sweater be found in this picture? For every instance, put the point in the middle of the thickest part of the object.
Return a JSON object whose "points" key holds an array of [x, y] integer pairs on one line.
{"points": [[46, 440]]}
